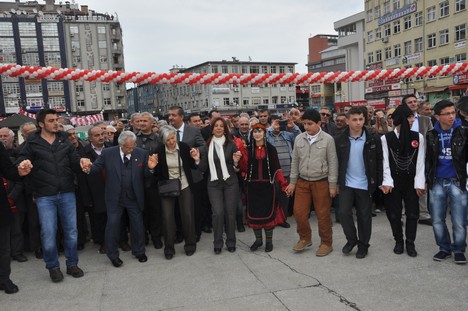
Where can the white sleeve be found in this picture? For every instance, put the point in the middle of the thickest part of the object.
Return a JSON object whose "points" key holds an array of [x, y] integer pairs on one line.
{"points": [[387, 175], [420, 178]]}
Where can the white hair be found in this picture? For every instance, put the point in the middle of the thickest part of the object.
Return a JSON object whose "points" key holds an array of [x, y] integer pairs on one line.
{"points": [[124, 136]]}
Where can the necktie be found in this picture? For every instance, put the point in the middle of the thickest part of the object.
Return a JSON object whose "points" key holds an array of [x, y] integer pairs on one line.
{"points": [[126, 160], [178, 136]]}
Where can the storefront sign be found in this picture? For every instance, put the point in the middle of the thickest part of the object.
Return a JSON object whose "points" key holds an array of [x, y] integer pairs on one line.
{"points": [[397, 14]]}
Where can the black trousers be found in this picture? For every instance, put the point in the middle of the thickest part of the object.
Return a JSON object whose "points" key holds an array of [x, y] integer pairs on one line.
{"points": [[5, 268], [403, 191], [152, 215], [362, 201]]}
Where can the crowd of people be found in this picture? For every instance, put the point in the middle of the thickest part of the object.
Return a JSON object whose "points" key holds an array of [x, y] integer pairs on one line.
{"points": [[170, 181]]}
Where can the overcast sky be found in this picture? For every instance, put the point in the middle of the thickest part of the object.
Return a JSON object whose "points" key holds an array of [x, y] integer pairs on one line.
{"points": [[159, 34]]}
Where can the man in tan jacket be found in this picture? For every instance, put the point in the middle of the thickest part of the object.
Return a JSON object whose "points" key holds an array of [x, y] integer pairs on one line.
{"points": [[314, 173]]}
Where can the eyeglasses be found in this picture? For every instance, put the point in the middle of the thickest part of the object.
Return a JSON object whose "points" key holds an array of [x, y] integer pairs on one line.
{"points": [[448, 114], [325, 114]]}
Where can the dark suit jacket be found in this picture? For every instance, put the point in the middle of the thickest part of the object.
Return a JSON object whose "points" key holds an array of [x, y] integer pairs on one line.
{"points": [[194, 139], [9, 171], [111, 161]]}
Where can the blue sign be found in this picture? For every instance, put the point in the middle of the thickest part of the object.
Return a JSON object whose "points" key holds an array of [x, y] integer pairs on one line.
{"points": [[397, 14]]}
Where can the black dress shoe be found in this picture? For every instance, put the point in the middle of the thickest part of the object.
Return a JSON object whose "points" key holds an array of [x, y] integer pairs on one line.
{"points": [[9, 287], [20, 258], [240, 227], [116, 262], [268, 247], [348, 247], [207, 229], [38, 253], [361, 253], [142, 258], [399, 248], [157, 244], [125, 247], [285, 225], [411, 249], [231, 249], [102, 249], [189, 253], [217, 250], [169, 256], [256, 245]]}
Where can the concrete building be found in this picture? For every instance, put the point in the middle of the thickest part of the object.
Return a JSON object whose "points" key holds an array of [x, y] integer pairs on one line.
{"points": [[324, 55], [228, 99], [415, 33], [351, 42], [60, 35]]}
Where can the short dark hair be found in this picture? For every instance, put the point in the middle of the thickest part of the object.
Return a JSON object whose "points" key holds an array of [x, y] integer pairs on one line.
{"points": [[341, 115], [40, 116], [356, 110], [442, 105], [403, 100], [312, 115], [273, 117], [193, 114], [180, 110], [263, 110], [210, 113]]}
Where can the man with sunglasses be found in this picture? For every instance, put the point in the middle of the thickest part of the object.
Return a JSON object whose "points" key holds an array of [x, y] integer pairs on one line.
{"points": [[327, 126]]}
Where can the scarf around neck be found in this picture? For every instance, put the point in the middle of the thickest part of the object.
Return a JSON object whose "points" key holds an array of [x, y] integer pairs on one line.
{"points": [[218, 144]]}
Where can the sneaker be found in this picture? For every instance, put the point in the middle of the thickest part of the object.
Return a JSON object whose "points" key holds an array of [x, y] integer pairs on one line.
{"points": [[441, 256], [75, 272], [56, 275], [301, 245], [460, 258], [323, 250]]}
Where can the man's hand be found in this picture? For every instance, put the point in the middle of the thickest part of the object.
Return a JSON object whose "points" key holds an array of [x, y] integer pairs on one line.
{"points": [[195, 154], [85, 164], [333, 192], [24, 168], [386, 189], [290, 189], [152, 161], [420, 192]]}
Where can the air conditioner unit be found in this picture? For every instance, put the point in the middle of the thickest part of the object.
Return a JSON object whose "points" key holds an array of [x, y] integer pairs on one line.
{"points": [[236, 89], [74, 64], [385, 39]]}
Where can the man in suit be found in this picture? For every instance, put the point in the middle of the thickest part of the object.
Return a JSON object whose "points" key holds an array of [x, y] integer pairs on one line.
{"points": [[193, 138], [421, 124], [126, 167]]}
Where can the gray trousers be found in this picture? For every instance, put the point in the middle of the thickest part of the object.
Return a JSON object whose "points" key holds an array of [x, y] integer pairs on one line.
{"points": [[224, 197]]}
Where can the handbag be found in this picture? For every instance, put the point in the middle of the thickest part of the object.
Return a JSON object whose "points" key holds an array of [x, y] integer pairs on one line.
{"points": [[171, 188]]}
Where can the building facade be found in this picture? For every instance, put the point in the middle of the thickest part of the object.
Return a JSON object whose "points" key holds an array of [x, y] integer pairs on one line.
{"points": [[64, 36], [227, 98], [408, 33]]}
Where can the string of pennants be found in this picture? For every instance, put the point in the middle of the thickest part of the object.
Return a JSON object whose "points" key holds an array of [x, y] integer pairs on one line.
{"points": [[79, 121]]}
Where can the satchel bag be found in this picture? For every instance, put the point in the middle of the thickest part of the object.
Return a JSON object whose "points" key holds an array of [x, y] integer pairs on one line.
{"points": [[171, 187]]}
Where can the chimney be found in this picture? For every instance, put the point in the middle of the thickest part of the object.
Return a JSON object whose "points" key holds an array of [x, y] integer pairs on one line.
{"points": [[84, 9]]}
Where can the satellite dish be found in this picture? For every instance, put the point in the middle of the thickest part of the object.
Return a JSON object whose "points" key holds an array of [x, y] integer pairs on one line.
{"points": [[25, 13], [35, 11], [13, 11], [59, 12]]}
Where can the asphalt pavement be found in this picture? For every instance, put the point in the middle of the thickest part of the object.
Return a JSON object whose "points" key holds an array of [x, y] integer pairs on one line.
{"points": [[245, 280]]}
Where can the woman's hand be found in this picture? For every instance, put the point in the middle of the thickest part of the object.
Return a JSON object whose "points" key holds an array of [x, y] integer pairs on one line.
{"points": [[195, 154], [152, 161], [236, 157]]}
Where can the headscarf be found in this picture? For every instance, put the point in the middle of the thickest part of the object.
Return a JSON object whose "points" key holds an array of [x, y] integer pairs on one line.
{"points": [[400, 117]]}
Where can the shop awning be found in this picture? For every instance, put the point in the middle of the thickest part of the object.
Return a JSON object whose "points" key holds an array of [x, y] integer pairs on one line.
{"points": [[458, 87], [433, 89]]}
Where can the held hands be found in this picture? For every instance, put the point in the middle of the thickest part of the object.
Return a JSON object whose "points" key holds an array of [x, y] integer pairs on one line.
{"points": [[236, 157], [386, 189], [24, 168], [290, 189], [333, 192], [152, 161], [420, 192], [85, 164], [195, 154]]}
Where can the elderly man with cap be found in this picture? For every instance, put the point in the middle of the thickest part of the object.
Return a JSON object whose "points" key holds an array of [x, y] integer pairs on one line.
{"points": [[403, 178]]}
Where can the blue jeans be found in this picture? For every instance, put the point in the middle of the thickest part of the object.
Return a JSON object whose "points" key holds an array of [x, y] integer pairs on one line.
{"points": [[440, 192], [62, 205]]}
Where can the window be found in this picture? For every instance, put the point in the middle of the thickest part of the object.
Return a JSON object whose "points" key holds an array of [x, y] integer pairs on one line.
{"points": [[460, 57], [244, 69], [445, 60], [396, 4], [290, 69], [444, 37], [214, 69], [80, 103], [273, 69], [30, 59], [378, 33], [52, 59], [103, 58], [370, 37], [281, 69], [106, 87], [11, 88], [254, 69], [418, 18], [377, 11], [6, 29], [74, 29], [397, 50], [55, 86], [27, 29], [245, 102], [444, 9], [79, 88], [102, 44], [378, 55], [235, 69], [370, 17], [56, 102], [388, 53], [49, 30], [387, 31], [418, 45], [407, 21], [370, 57], [396, 26], [264, 69], [33, 88], [386, 7], [460, 32], [51, 44], [460, 5], [101, 29], [107, 102], [408, 47], [29, 44], [431, 41], [226, 101], [431, 14], [224, 69]]}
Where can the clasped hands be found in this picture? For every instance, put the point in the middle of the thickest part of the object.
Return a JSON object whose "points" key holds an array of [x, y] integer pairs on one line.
{"points": [[24, 168]]}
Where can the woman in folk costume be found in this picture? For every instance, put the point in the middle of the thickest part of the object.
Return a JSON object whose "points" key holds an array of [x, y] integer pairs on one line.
{"points": [[263, 170], [221, 163]]}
